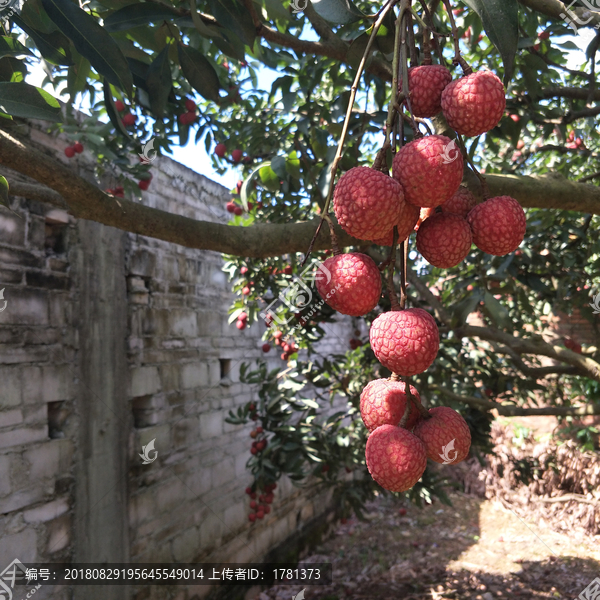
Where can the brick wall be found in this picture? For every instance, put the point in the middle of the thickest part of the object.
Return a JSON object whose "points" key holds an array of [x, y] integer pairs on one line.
{"points": [[110, 340]]}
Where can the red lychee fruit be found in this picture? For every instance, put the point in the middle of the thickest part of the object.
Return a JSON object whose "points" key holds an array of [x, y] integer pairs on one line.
{"points": [[426, 84], [461, 203], [544, 35], [354, 285], [446, 435], [498, 225], [266, 348], [190, 105], [475, 103], [236, 156], [144, 184], [119, 106], [78, 147], [405, 341], [129, 119], [238, 210], [252, 517], [409, 217], [230, 206], [260, 514], [69, 152], [395, 457], [220, 150], [430, 170], [402, 512], [246, 290], [444, 240], [366, 201], [383, 402], [241, 325]]}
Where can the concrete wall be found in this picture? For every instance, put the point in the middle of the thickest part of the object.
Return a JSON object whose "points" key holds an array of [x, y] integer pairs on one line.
{"points": [[110, 340]]}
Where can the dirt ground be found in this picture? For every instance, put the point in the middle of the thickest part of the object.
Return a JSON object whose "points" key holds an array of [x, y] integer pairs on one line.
{"points": [[475, 550]]}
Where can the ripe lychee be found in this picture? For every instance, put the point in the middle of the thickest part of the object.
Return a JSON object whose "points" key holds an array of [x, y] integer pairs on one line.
{"points": [[430, 170], [409, 217], [266, 348], [405, 341], [461, 203], [78, 147], [230, 206], [383, 402], [446, 435], [220, 150], [236, 156], [444, 240], [190, 105], [366, 201], [354, 285], [119, 106], [498, 225], [395, 457], [426, 84], [129, 119], [238, 210], [475, 103], [144, 184], [69, 152]]}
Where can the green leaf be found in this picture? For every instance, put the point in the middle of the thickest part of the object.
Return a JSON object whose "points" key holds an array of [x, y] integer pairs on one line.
{"points": [[12, 69], [204, 30], [341, 12], [54, 47], [158, 82], [92, 41], [12, 47], [500, 20], [497, 312], [78, 74], [278, 165], [232, 15], [269, 178], [4, 192], [35, 16], [199, 72], [245, 191], [28, 102], [292, 165], [139, 14], [276, 10], [112, 112]]}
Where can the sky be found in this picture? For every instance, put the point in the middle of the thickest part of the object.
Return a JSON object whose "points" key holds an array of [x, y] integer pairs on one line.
{"points": [[195, 156]]}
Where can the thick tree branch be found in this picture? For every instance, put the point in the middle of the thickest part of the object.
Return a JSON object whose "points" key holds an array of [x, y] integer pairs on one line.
{"points": [[517, 411]]}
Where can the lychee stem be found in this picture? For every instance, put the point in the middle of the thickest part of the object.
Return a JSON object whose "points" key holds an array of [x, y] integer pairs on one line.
{"points": [[390, 279], [410, 399], [353, 91], [404, 66], [403, 267], [431, 28], [458, 59], [334, 240], [484, 185], [414, 58], [406, 413]]}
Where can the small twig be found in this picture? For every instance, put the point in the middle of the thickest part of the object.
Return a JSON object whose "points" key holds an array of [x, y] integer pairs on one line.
{"points": [[458, 59], [484, 185], [431, 29], [414, 57], [590, 177], [410, 398], [403, 264], [404, 66], [334, 241], [392, 268]]}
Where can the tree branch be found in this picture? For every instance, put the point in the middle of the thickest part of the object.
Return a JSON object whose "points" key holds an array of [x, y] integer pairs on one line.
{"points": [[517, 411], [555, 9]]}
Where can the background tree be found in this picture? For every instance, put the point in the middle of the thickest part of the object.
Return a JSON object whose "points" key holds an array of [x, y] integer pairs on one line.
{"points": [[171, 70]]}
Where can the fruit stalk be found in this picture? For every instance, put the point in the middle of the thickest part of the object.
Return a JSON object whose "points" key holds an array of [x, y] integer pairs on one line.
{"points": [[484, 185], [391, 269], [458, 59], [411, 400], [353, 92]]}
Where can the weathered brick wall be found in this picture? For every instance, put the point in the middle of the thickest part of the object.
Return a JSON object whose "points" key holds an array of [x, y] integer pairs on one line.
{"points": [[73, 413]]}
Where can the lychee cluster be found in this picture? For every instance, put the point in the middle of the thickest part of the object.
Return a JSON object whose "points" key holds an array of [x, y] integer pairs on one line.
{"points": [[261, 499]]}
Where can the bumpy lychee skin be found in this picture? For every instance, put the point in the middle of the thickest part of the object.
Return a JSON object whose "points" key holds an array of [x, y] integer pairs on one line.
{"points": [[475, 103], [406, 223], [355, 285], [426, 84], [444, 240], [446, 435], [366, 201], [429, 169], [498, 225], [405, 341], [395, 457], [462, 203], [383, 402]]}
